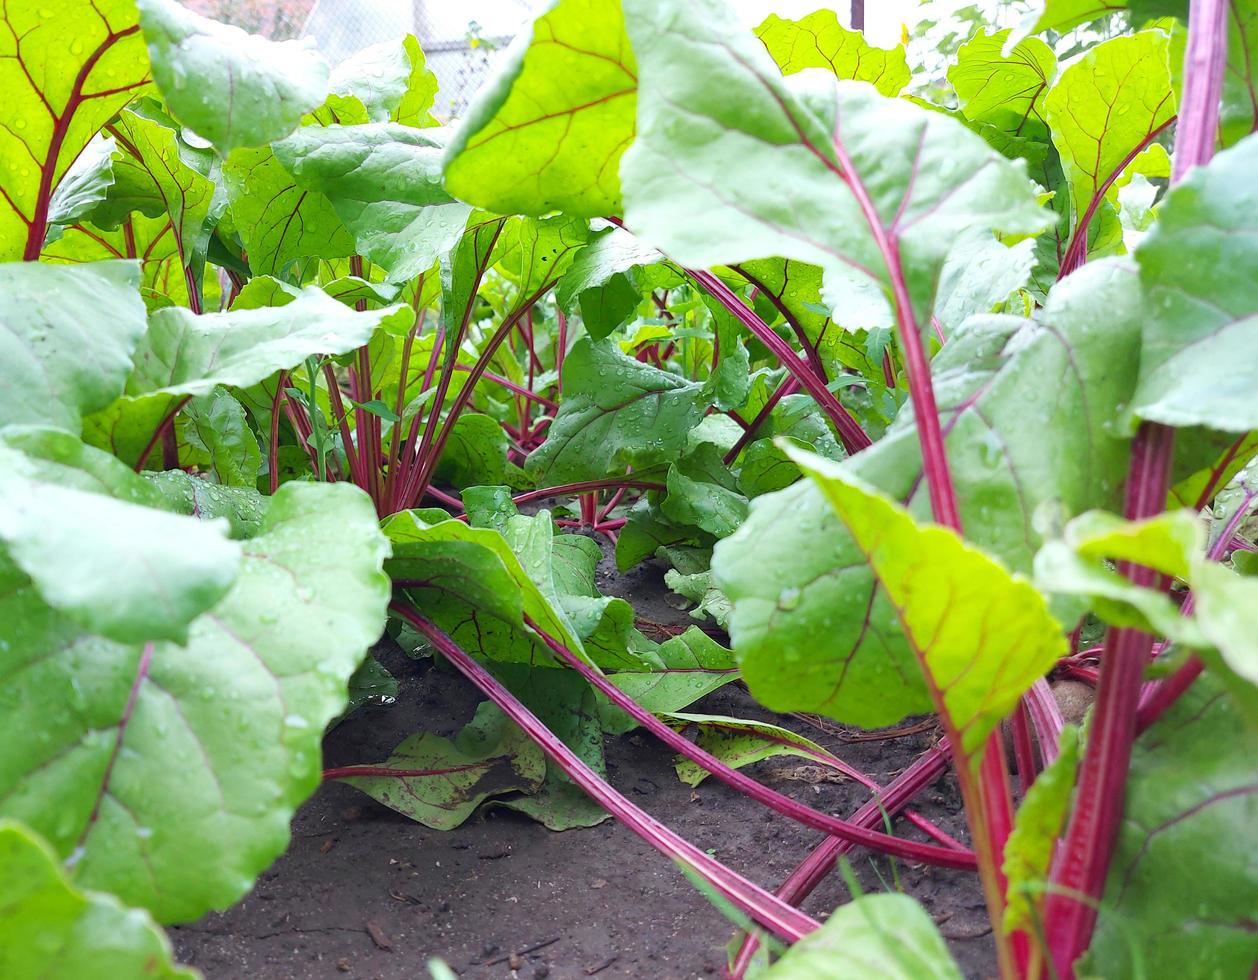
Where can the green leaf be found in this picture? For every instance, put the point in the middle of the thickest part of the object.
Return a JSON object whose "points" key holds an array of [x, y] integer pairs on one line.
{"points": [[475, 454], [57, 363], [1062, 15], [616, 412], [279, 222], [84, 185], [162, 279], [1104, 107], [547, 132], [739, 742], [1198, 264], [702, 492], [611, 251], [811, 627], [168, 774], [65, 68], [491, 756], [219, 440], [984, 634], [244, 507], [1189, 830], [117, 568], [231, 88], [384, 181], [733, 162], [187, 354], [701, 588], [1037, 826], [818, 40], [1004, 91], [49, 928], [887, 936], [391, 80]]}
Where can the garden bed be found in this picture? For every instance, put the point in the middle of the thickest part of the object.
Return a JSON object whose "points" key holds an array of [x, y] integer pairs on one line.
{"points": [[358, 875]]}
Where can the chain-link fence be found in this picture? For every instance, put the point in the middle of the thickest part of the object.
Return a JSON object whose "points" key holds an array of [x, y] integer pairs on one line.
{"points": [[462, 39]]}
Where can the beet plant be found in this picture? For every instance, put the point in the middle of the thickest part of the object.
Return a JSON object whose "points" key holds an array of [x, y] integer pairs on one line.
{"points": [[920, 405]]}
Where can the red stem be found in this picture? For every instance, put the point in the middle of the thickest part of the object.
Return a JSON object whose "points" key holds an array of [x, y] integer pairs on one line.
{"points": [[787, 922], [1083, 860], [162, 428], [851, 434], [787, 387], [945, 857]]}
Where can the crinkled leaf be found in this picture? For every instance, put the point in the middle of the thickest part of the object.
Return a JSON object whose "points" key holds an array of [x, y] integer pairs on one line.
{"points": [[489, 757], [733, 162], [244, 507], [547, 133], [888, 936], [278, 221], [219, 440], [616, 412], [49, 928], [173, 779], [231, 88], [125, 571], [702, 589], [984, 634], [1183, 884], [818, 40], [65, 69], [84, 185], [56, 363], [384, 182], [1198, 265]]}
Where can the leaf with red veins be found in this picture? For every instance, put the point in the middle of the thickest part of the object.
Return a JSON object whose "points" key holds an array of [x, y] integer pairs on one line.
{"points": [[66, 67], [548, 133]]}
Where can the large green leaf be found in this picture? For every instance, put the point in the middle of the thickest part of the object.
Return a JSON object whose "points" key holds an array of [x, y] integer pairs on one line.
{"points": [[984, 634], [811, 628], [168, 774], [391, 80], [1104, 107], [1004, 91], [886, 936], [1183, 881], [734, 162], [490, 756], [616, 412], [117, 568], [187, 354], [66, 66], [278, 221], [50, 929], [818, 40], [66, 339], [1198, 265], [384, 181], [547, 133], [231, 88], [149, 240]]}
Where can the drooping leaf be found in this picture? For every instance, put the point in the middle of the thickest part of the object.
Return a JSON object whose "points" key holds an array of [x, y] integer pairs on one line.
{"points": [[489, 757], [1188, 831], [738, 742], [65, 67], [547, 133], [818, 40], [733, 162], [83, 186], [49, 928], [384, 181], [1197, 266], [391, 80], [616, 412], [811, 628], [984, 634], [116, 568], [173, 780], [229, 87], [884, 935], [56, 363], [1104, 107]]}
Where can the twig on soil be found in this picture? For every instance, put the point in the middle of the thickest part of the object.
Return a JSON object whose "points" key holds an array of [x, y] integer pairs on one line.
{"points": [[378, 937], [525, 951], [602, 966]]}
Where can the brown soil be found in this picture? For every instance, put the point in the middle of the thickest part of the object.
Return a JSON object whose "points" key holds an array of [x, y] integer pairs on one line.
{"points": [[364, 892]]}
